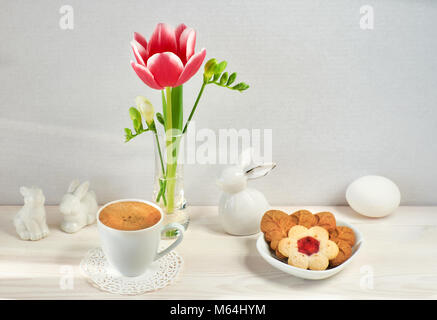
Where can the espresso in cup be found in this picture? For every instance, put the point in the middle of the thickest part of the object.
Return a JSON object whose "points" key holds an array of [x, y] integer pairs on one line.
{"points": [[130, 232], [129, 215]]}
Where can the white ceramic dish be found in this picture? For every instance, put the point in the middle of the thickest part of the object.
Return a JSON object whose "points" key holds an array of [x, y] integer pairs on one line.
{"points": [[265, 252]]}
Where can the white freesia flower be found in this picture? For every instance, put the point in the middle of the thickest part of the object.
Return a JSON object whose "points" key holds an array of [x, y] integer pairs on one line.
{"points": [[146, 109]]}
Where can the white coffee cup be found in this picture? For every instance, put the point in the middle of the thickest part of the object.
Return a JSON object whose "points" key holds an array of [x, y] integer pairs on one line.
{"points": [[131, 252]]}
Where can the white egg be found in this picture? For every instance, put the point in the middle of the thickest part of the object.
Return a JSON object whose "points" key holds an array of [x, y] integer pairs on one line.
{"points": [[373, 196]]}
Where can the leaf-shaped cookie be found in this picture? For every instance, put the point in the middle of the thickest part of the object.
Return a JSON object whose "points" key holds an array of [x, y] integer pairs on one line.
{"points": [[326, 220], [344, 253], [275, 225], [343, 233], [305, 218]]}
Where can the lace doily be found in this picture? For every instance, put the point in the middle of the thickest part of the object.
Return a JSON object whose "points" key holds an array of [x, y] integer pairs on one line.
{"points": [[102, 275]]}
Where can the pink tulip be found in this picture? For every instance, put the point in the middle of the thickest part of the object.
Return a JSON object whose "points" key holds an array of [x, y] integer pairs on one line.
{"points": [[168, 59]]}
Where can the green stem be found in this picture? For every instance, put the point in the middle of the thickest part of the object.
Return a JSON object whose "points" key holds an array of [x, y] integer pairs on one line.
{"points": [[162, 185], [169, 141], [164, 109], [194, 107], [160, 154], [168, 116], [136, 134]]}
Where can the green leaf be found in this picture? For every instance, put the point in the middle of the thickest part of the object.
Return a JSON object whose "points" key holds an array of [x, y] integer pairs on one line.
{"points": [[220, 67], [160, 118], [231, 79], [224, 78]]}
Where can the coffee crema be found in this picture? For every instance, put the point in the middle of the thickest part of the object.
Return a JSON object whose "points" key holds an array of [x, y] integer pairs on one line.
{"points": [[129, 215]]}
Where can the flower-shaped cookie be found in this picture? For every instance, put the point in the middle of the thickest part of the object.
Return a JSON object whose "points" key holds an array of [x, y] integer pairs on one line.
{"points": [[308, 248]]}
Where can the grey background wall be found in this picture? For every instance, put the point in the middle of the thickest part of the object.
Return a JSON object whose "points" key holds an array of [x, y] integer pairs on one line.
{"points": [[342, 102]]}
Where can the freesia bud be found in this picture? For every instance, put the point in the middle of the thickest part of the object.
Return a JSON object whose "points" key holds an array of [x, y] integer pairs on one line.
{"points": [[134, 114], [146, 109], [210, 68], [127, 134], [240, 86], [232, 78], [160, 118], [220, 67], [136, 118], [224, 78], [216, 77]]}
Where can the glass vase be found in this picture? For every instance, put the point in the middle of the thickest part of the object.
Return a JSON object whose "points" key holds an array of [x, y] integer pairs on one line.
{"points": [[169, 180]]}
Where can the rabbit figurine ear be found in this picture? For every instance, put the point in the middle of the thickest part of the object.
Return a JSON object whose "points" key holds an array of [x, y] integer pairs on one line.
{"points": [[260, 170], [82, 189], [24, 191], [73, 185], [245, 157]]}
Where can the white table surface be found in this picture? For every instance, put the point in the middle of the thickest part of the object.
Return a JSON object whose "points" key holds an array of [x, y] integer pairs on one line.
{"points": [[399, 256]]}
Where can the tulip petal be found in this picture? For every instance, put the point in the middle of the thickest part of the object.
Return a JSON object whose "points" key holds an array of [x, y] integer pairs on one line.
{"points": [[191, 67], [140, 52], [163, 40], [187, 42], [145, 75], [178, 31], [140, 39], [166, 68]]}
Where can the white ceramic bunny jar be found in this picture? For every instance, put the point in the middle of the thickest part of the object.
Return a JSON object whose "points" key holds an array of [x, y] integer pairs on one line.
{"points": [[30, 221], [78, 206], [241, 208]]}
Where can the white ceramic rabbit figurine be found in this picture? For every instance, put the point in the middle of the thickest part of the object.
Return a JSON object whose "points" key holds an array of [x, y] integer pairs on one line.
{"points": [[241, 208], [30, 221], [78, 206]]}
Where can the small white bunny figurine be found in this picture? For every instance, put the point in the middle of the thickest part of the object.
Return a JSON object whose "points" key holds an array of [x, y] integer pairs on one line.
{"points": [[78, 206], [241, 208], [30, 221]]}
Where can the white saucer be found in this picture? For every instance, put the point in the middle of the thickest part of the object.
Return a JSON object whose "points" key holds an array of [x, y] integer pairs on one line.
{"points": [[103, 276]]}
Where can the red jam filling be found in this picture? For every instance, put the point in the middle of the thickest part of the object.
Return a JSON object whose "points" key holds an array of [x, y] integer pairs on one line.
{"points": [[308, 245]]}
